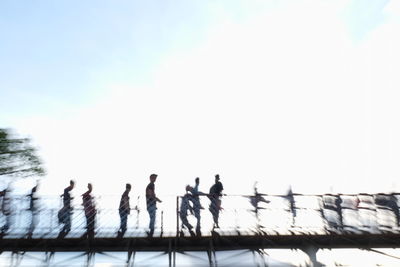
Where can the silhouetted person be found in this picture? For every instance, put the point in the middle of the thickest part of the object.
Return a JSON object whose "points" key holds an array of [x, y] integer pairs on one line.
{"points": [[215, 194], [90, 210], [196, 203], [185, 206], [124, 210], [151, 202], [64, 215], [6, 209], [292, 204], [33, 209]]}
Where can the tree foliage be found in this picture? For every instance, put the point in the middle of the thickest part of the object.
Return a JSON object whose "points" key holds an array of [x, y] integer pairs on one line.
{"points": [[18, 157]]}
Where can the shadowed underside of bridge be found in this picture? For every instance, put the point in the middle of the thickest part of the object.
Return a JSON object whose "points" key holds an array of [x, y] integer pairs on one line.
{"points": [[215, 242]]}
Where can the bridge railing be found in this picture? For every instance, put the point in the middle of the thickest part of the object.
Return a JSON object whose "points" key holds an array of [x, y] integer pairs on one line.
{"points": [[237, 214]]}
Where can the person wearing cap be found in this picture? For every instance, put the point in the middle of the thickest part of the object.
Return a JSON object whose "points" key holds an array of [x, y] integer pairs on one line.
{"points": [[124, 210], [151, 202], [214, 195]]}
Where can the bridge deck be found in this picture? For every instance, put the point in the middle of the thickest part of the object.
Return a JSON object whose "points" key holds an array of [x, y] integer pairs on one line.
{"points": [[217, 242]]}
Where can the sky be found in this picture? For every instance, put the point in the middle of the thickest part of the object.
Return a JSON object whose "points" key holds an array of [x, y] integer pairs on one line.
{"points": [[301, 93]]}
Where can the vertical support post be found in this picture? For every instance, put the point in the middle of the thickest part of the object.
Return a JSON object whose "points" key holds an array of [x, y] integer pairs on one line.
{"points": [[89, 258], [311, 252], [170, 253], [49, 256], [131, 258], [212, 259]]}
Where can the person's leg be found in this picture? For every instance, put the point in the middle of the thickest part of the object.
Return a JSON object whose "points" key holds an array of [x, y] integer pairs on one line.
{"points": [[67, 225], [214, 211], [197, 215], [124, 221], [185, 221], [152, 215]]}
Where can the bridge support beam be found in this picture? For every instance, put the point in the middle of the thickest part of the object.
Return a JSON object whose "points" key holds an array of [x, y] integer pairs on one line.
{"points": [[131, 258], [212, 258], [311, 252], [48, 257]]}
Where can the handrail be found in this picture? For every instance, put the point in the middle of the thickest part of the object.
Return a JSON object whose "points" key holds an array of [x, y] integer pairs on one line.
{"points": [[259, 213]]}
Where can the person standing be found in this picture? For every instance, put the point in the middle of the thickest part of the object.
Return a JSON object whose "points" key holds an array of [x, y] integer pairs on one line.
{"points": [[64, 215], [33, 209], [185, 206], [124, 210], [151, 202], [196, 203], [215, 194], [90, 210]]}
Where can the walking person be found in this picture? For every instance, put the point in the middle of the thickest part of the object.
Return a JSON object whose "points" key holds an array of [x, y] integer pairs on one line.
{"points": [[196, 203], [124, 210], [33, 209], [184, 208], [90, 211], [151, 202], [214, 194], [64, 215]]}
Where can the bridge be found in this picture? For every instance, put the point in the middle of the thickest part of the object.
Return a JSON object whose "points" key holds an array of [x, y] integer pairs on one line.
{"points": [[252, 223]]}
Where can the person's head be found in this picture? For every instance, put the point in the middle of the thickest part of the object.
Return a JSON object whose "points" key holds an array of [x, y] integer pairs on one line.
{"points": [[71, 184], [197, 180], [153, 178], [216, 177], [128, 187], [90, 187], [188, 188]]}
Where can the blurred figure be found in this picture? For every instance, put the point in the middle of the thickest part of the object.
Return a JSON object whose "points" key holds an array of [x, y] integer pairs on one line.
{"points": [[255, 200], [90, 210], [388, 202], [395, 207], [151, 202], [214, 195], [332, 203], [196, 203], [292, 204], [185, 206], [124, 210], [6, 209], [33, 209], [64, 215]]}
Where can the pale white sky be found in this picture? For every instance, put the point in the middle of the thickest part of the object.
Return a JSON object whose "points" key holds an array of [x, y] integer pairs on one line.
{"points": [[283, 92]]}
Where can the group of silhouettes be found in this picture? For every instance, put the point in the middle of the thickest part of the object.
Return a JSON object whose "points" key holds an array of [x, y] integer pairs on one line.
{"points": [[189, 202]]}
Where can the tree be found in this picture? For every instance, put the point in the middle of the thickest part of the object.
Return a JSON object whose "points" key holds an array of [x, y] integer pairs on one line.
{"points": [[18, 157]]}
